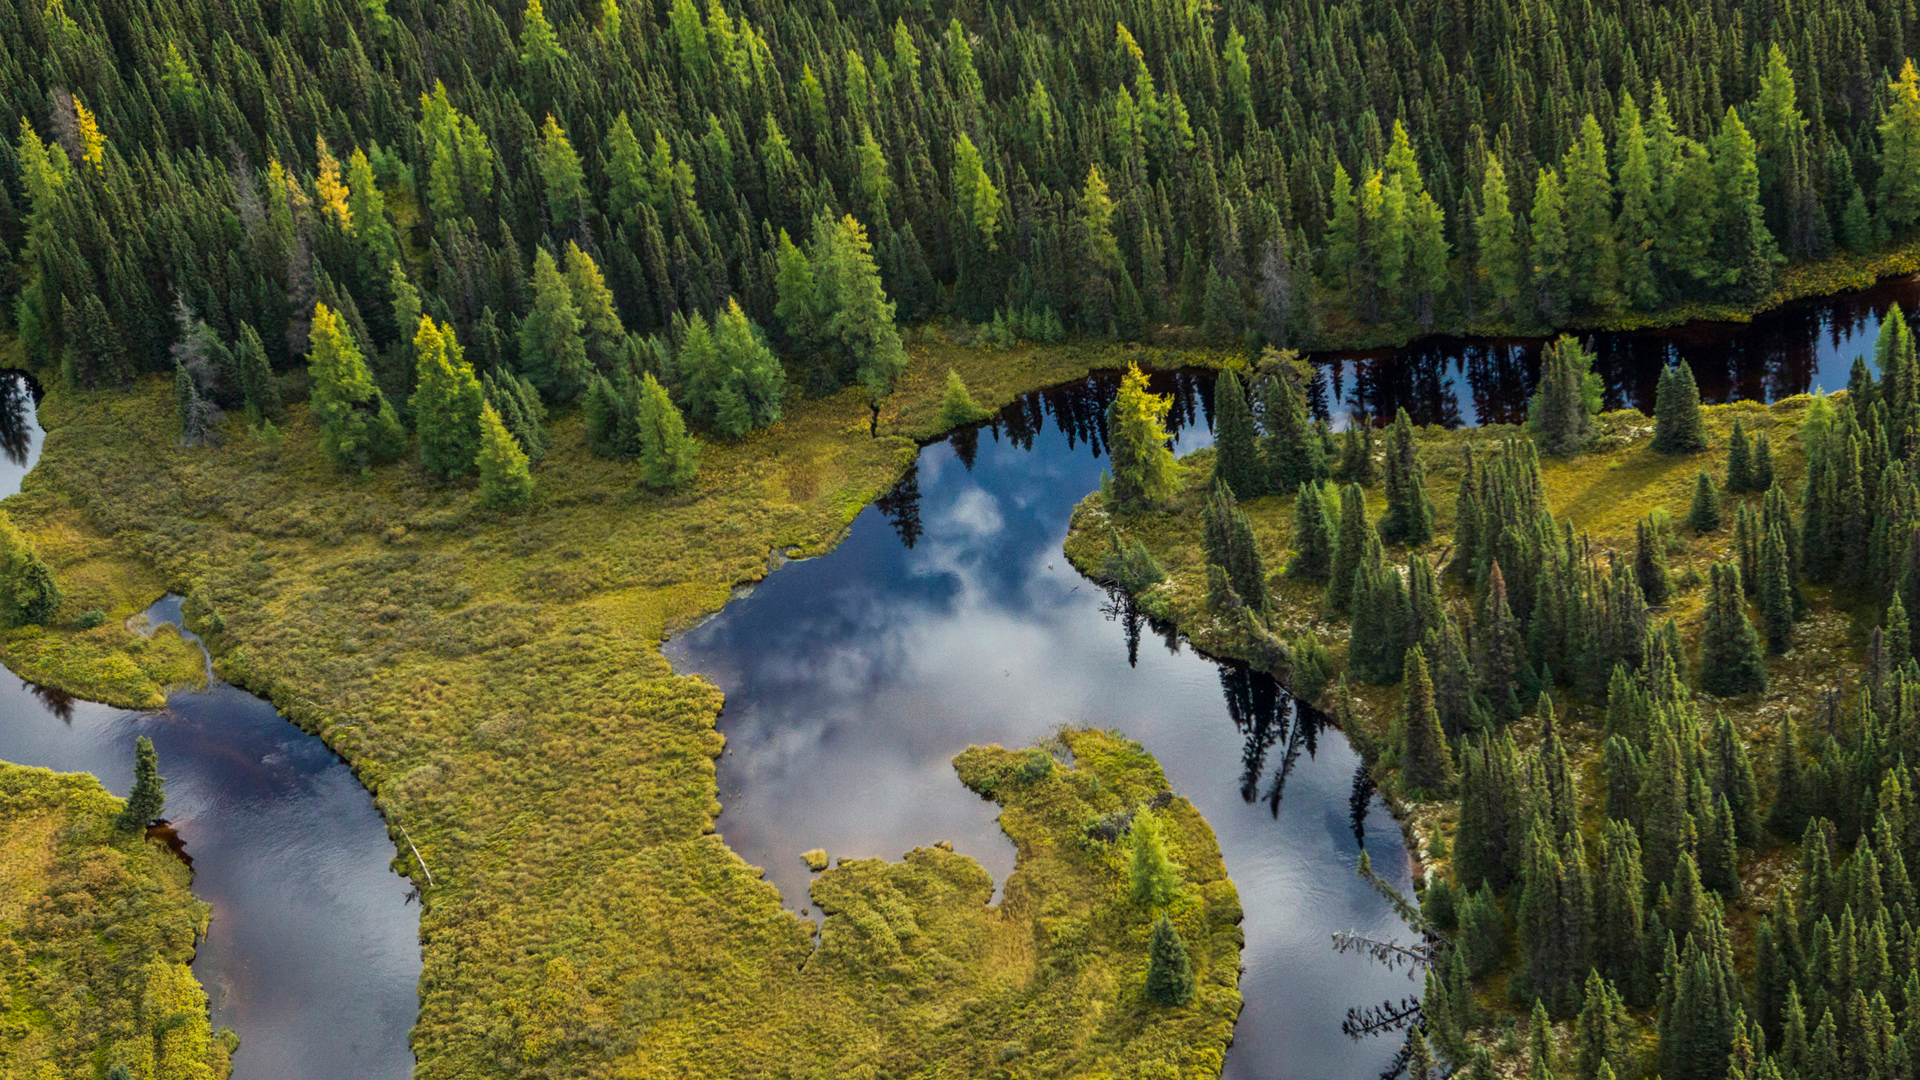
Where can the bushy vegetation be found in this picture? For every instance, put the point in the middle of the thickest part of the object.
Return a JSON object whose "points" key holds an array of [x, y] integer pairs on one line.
{"points": [[1623, 824], [97, 927]]}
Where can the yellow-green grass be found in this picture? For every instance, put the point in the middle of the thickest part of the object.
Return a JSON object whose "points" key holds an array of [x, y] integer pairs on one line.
{"points": [[496, 682], [1605, 492], [97, 928]]}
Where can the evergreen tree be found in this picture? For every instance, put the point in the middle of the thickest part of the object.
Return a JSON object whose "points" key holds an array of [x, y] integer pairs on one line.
{"points": [[1899, 194], [1169, 971], [957, 407], [1730, 659], [1677, 425], [1650, 563], [506, 483], [446, 402], [1774, 591], [1293, 455], [1350, 551], [1154, 876], [1499, 265], [1787, 817], [28, 594], [148, 797], [357, 426], [1619, 922], [1137, 440], [1566, 398], [262, 394], [669, 457], [1739, 461], [1409, 516], [553, 355], [1227, 539], [1603, 1037], [1313, 536], [1236, 454], [1704, 517], [1426, 765]]}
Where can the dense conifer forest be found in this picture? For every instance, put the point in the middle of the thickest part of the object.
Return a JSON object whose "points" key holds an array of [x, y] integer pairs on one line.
{"points": [[582, 192]]}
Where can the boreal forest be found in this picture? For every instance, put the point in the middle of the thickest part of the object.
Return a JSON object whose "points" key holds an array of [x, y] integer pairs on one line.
{"points": [[432, 370]]}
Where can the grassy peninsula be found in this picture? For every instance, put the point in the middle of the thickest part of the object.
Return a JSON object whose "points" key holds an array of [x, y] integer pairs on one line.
{"points": [[97, 927]]}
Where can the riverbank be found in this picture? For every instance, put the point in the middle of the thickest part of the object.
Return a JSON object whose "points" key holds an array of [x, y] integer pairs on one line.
{"points": [[496, 683], [1604, 493], [97, 929]]}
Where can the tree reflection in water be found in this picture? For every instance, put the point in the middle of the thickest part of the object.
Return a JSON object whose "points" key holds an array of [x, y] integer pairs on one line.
{"points": [[17, 399]]}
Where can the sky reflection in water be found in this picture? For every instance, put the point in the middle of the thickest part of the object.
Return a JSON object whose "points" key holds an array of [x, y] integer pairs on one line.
{"points": [[853, 679]]}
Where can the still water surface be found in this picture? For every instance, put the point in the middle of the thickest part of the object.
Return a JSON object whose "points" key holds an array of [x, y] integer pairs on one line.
{"points": [[313, 954]]}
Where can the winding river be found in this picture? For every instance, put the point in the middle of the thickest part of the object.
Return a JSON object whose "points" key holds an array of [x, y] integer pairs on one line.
{"points": [[313, 954], [947, 617]]}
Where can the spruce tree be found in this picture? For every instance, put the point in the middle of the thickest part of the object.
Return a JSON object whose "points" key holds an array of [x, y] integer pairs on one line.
{"points": [[1560, 413], [28, 593], [1227, 538], [1762, 468], [1774, 591], [148, 796], [1730, 660], [1137, 441], [1169, 971], [1704, 516], [1154, 877], [553, 356], [1604, 1035], [1787, 816], [1426, 764], [257, 385], [506, 483], [446, 402], [669, 457], [1292, 452], [357, 425], [1501, 654], [1650, 563], [1677, 424], [1409, 516], [1313, 536], [1619, 922], [1500, 264], [1236, 451], [1351, 549], [1739, 461], [957, 407]]}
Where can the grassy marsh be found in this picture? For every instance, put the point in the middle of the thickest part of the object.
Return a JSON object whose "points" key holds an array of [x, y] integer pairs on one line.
{"points": [[496, 682]]}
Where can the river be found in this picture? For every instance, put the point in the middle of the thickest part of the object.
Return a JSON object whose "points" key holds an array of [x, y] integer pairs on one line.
{"points": [[313, 953], [948, 616]]}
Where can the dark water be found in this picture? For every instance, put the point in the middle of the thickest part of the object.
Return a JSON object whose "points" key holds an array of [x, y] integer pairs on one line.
{"points": [[1455, 382], [949, 617], [313, 955]]}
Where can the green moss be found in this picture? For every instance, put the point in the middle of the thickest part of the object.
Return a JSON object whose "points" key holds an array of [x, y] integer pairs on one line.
{"points": [[496, 683], [97, 928]]}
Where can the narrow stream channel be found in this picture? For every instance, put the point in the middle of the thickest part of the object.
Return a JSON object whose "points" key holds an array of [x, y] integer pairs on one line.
{"points": [[313, 954], [949, 616]]}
